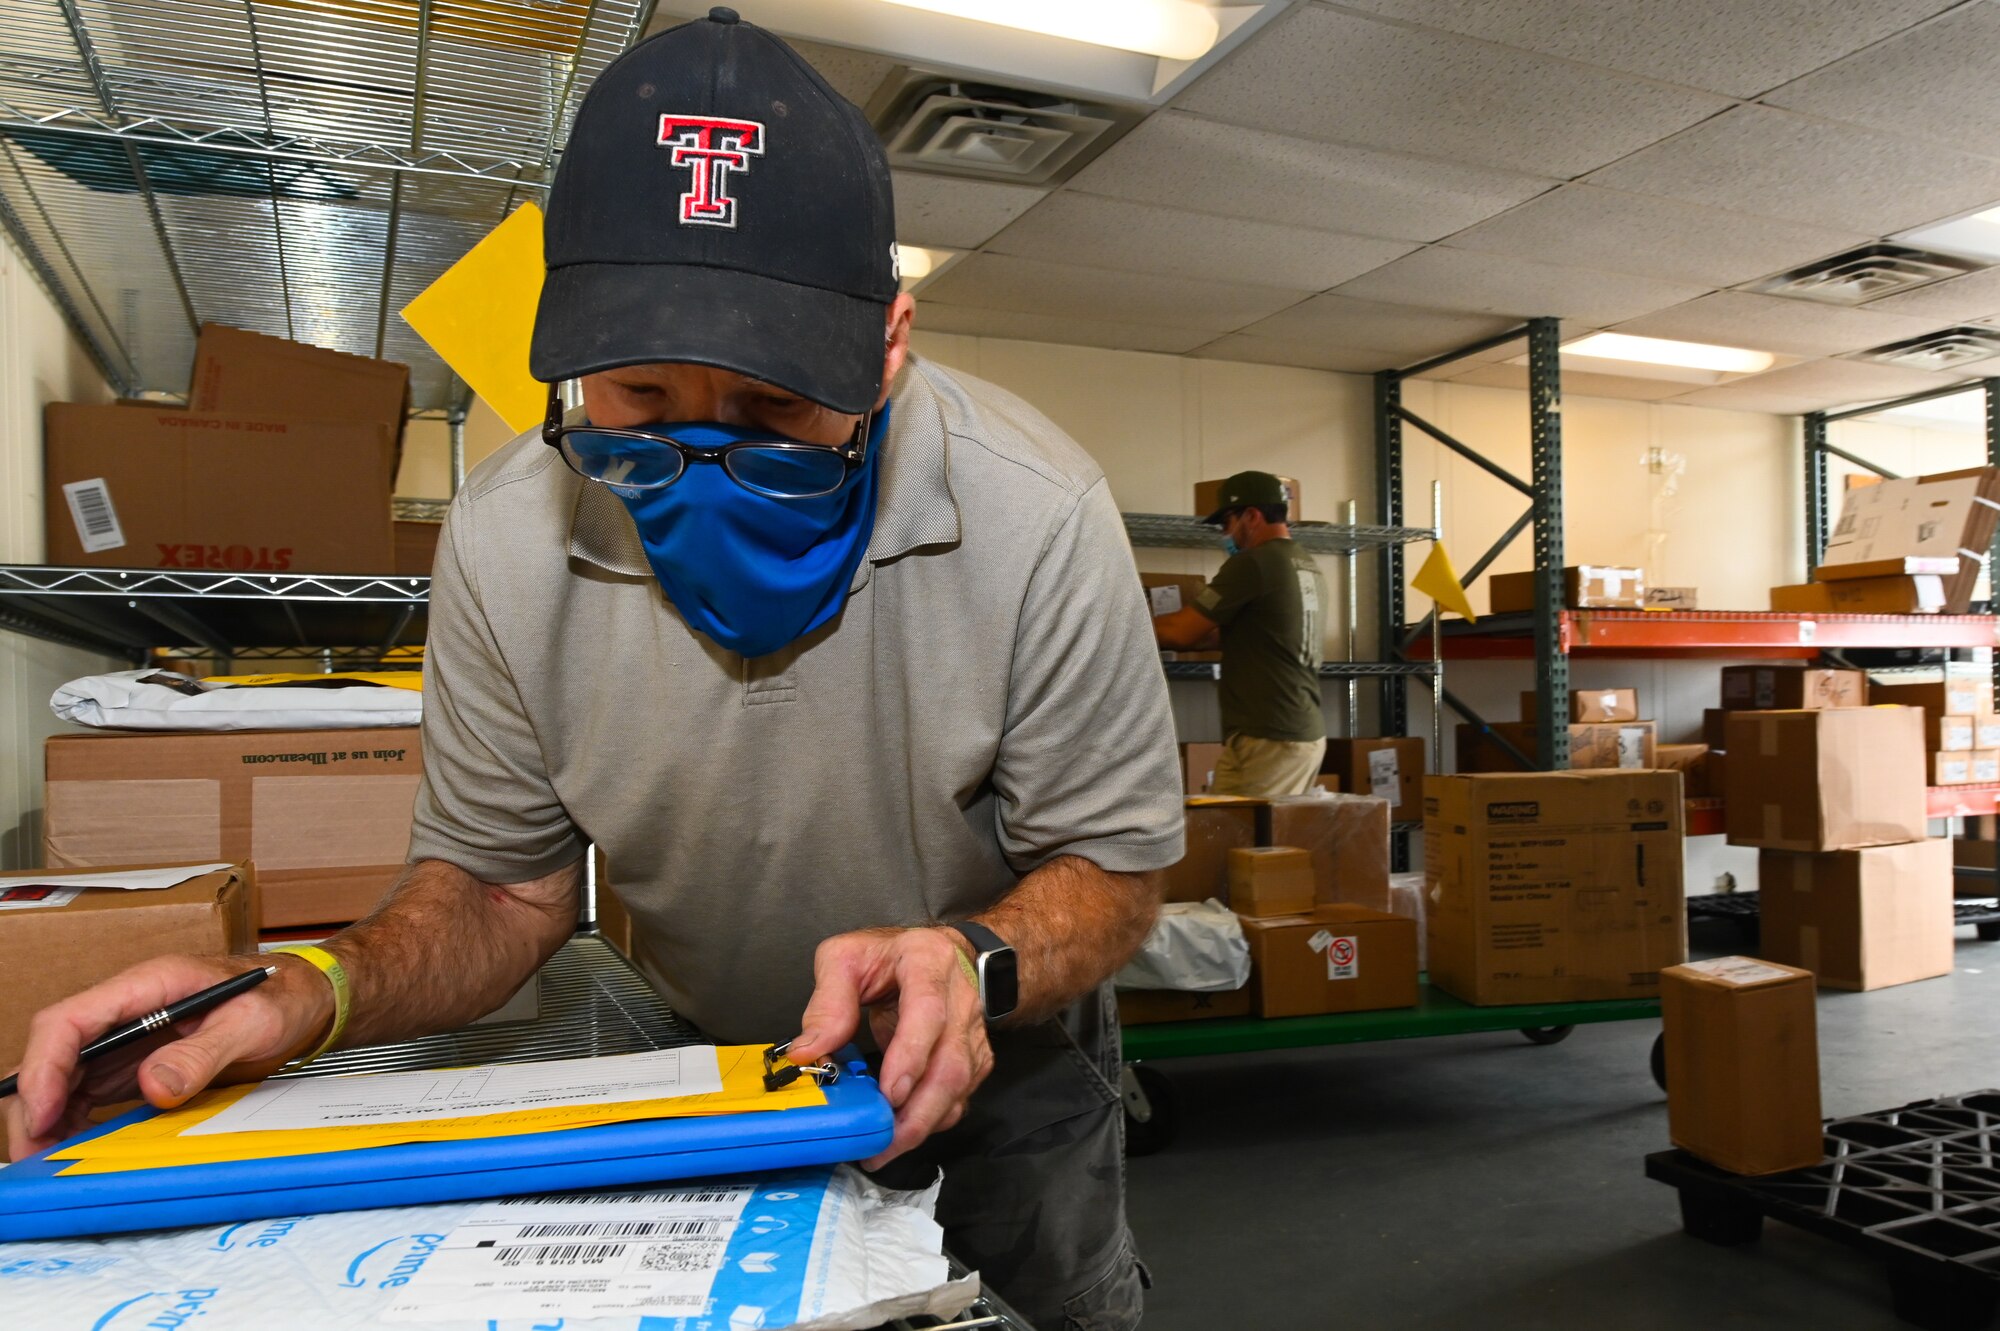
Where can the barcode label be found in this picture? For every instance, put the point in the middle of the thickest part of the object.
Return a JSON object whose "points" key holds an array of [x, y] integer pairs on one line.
{"points": [[566, 1254], [626, 1229], [672, 1196], [96, 520]]}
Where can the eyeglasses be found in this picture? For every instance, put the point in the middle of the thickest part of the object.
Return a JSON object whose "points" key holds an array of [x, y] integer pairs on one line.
{"points": [[652, 459]]}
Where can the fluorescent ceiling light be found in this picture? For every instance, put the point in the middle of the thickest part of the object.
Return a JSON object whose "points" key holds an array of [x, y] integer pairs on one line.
{"points": [[1661, 351], [1170, 29], [1975, 237], [916, 264]]}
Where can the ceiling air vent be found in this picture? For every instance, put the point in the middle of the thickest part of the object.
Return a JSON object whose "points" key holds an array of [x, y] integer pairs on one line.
{"points": [[1865, 274], [1946, 349], [933, 123]]}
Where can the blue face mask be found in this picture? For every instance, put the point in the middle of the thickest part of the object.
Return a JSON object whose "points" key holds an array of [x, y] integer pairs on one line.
{"points": [[1230, 546], [753, 572]]}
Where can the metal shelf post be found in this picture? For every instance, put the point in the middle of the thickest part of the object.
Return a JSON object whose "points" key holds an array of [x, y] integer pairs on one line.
{"points": [[1545, 444], [1816, 521], [1394, 717]]}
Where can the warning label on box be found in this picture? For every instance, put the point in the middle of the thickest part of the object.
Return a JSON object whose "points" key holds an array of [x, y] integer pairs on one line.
{"points": [[1343, 959]]}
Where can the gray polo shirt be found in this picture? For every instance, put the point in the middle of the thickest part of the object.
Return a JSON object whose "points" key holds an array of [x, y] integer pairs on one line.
{"points": [[989, 698]]}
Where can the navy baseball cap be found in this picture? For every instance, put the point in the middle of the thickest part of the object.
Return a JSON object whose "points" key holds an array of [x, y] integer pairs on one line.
{"points": [[719, 204]]}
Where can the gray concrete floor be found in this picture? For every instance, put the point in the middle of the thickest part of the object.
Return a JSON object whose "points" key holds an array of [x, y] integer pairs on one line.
{"points": [[1480, 1181]]}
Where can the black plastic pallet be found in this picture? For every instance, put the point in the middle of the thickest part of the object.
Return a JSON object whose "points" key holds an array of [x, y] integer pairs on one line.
{"points": [[1918, 1187], [1743, 909]]}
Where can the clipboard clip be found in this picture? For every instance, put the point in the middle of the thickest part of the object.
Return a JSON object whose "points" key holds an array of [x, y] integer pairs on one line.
{"points": [[776, 1078]]}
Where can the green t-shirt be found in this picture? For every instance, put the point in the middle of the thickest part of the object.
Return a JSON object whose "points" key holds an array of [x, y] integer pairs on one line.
{"points": [[1271, 605]]}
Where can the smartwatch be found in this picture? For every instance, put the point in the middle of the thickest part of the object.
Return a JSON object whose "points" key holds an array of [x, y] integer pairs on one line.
{"points": [[999, 976]]}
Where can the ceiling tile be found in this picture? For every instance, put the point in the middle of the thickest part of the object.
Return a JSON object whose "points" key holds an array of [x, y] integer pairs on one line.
{"points": [[854, 74], [1141, 238], [1447, 279], [1974, 296], [1325, 74], [1723, 45], [1395, 334], [1822, 383], [1746, 396], [1776, 164], [1020, 327], [1935, 82], [1656, 237], [1575, 383], [1774, 323], [1183, 161], [956, 214], [1275, 351], [1030, 286]]}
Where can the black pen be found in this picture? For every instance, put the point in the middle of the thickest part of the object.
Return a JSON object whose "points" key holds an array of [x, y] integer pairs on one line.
{"points": [[192, 1005]]}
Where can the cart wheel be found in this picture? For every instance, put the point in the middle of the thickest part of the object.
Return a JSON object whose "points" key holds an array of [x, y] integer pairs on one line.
{"points": [[1659, 1060], [1547, 1034], [1989, 932], [1717, 1220], [1152, 1111]]}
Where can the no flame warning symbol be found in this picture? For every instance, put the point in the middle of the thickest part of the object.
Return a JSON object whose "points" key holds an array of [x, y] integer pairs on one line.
{"points": [[1343, 959]]}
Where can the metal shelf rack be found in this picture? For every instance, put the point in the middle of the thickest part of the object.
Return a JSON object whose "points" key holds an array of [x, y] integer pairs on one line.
{"points": [[1731, 634], [1175, 532]]}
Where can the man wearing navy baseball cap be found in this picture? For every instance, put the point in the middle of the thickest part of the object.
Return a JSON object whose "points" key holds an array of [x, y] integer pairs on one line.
{"points": [[837, 656]]}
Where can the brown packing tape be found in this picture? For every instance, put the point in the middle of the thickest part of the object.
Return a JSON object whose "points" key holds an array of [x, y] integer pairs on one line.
{"points": [[1802, 879], [330, 822], [182, 822], [1767, 736], [1774, 824]]}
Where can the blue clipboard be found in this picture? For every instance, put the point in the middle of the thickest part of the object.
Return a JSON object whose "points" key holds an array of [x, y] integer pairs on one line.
{"points": [[37, 1202]]}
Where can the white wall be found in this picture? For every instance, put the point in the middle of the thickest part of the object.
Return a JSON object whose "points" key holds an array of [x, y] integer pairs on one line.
{"points": [[40, 362]]}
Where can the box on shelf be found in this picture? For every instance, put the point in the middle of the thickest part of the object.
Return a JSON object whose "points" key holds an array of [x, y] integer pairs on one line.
{"points": [[1834, 779], [1942, 516], [1208, 496], [1687, 760], [137, 487], [1270, 880], [1198, 766], [1553, 887], [1585, 587], [416, 547], [1390, 768], [1954, 695], [1617, 744], [1673, 598], [1339, 958], [324, 814], [1146, 1007], [243, 373], [1216, 825], [1764, 688], [1975, 854], [1327, 782], [1920, 595], [1742, 1053], [1714, 774], [48, 952], [1903, 566], [1589, 705], [1715, 728], [1985, 766], [1860, 919], [1951, 769], [1950, 734], [1169, 593], [1347, 837]]}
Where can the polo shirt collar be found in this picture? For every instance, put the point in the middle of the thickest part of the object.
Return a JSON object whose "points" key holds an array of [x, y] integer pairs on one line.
{"points": [[913, 508]]}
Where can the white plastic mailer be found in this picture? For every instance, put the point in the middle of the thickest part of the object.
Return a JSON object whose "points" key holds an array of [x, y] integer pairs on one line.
{"points": [[1197, 947], [162, 700]]}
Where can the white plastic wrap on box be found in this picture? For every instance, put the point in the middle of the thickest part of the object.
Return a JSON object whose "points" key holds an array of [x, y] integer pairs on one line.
{"points": [[1197, 947], [157, 700], [1406, 898]]}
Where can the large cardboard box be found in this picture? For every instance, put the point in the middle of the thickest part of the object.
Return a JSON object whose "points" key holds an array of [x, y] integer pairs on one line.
{"points": [[1390, 768], [1553, 887], [416, 547], [1347, 837], [137, 487], [1954, 695], [1765, 688], [1167, 593], [1270, 880], [324, 814], [1923, 594], [1949, 516], [1208, 494], [1742, 1047], [1589, 705], [250, 374], [1860, 919], [1687, 760], [1339, 958], [1618, 744], [1585, 587], [1145, 1007], [1834, 779], [1198, 766], [48, 952], [1216, 825]]}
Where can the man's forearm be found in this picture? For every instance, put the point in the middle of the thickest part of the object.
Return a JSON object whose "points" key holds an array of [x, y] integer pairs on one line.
{"points": [[1071, 924]]}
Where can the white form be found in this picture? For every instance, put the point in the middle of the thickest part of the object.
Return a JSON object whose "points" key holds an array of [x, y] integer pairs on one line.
{"points": [[405, 1097], [131, 880]]}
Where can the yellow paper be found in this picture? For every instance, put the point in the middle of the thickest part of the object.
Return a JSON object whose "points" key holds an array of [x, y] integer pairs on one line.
{"points": [[1438, 580], [480, 315], [412, 680]]}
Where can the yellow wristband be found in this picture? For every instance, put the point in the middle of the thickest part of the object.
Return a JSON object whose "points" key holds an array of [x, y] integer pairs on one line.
{"points": [[328, 965]]}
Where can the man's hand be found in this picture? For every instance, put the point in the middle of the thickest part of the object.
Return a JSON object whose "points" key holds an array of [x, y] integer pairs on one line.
{"points": [[247, 1037], [924, 1012]]}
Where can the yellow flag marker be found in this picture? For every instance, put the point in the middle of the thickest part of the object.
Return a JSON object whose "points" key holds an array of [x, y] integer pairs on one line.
{"points": [[480, 313], [1438, 580]]}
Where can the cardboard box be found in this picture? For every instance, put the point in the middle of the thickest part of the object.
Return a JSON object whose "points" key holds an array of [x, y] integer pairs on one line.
{"points": [[1208, 495], [1270, 880], [1585, 587], [1168, 593], [1949, 516], [1686, 759], [324, 814], [1714, 774], [1955, 695], [1860, 919], [1950, 734], [1146, 1007], [1920, 595], [1673, 598], [1742, 1049], [1985, 766], [1198, 766], [1330, 784], [1904, 566], [1986, 732], [1347, 837], [1835, 779], [48, 953], [1389, 768], [1951, 769], [1216, 825], [1622, 744], [136, 487], [1589, 705], [1715, 728], [1765, 688], [1553, 887], [237, 372], [1339, 958], [416, 547]]}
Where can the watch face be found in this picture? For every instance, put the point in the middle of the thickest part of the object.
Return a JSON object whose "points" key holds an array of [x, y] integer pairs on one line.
{"points": [[999, 983]]}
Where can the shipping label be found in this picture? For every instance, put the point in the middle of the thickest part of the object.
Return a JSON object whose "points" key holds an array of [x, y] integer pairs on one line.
{"points": [[96, 520]]}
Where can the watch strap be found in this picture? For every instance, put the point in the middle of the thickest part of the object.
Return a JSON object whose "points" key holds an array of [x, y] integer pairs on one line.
{"points": [[981, 938]]}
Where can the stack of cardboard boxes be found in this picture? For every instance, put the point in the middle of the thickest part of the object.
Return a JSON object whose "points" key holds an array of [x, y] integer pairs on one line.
{"points": [[1751, 688], [1908, 546], [1585, 587], [1604, 731], [1961, 732]]}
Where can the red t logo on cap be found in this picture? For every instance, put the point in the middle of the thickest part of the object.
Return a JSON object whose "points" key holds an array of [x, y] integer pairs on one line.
{"points": [[713, 148]]}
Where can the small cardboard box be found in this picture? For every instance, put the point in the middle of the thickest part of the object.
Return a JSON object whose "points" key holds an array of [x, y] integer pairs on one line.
{"points": [[1390, 768], [1169, 593], [1985, 766], [1585, 587], [1198, 766], [1951, 734], [1327, 782], [1687, 760], [1951, 769], [1553, 887], [1673, 598], [1336, 959], [48, 952], [238, 372], [1947, 516], [324, 814], [1270, 880], [1146, 1007], [1986, 732], [1860, 919], [1589, 705], [416, 547], [1742, 1049], [1894, 567], [1613, 744], [1764, 688], [1834, 779], [1347, 837], [1208, 495], [1923, 594], [1955, 695], [1216, 825]]}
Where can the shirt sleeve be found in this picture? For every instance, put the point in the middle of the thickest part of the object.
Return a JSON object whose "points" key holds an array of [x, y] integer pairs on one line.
{"points": [[485, 803], [1086, 763], [1239, 582]]}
